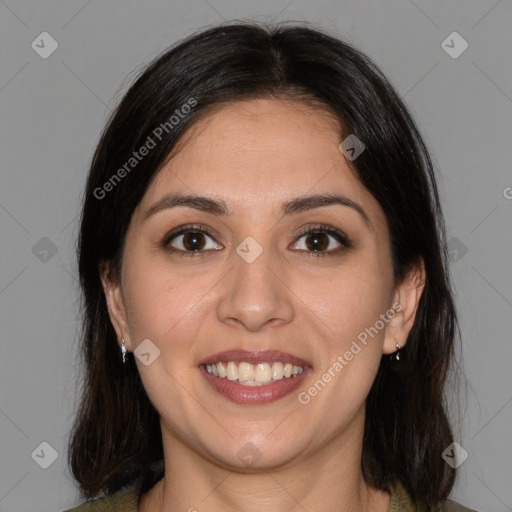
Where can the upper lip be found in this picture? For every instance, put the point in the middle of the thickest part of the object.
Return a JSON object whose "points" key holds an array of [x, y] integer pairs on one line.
{"points": [[260, 356]]}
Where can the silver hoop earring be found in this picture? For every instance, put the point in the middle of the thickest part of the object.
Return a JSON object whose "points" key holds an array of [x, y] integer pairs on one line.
{"points": [[123, 351]]}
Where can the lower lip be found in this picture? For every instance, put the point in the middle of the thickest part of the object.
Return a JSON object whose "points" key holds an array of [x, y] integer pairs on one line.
{"points": [[255, 395]]}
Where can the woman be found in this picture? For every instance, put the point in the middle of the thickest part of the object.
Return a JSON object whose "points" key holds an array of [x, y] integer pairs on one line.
{"points": [[267, 309]]}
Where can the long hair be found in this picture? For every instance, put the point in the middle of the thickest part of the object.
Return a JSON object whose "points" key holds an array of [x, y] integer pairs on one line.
{"points": [[116, 437]]}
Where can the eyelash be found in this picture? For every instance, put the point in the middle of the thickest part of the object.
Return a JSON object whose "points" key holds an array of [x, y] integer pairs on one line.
{"points": [[325, 229], [183, 230], [338, 235]]}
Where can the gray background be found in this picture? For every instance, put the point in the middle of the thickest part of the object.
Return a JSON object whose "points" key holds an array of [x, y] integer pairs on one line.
{"points": [[53, 109]]}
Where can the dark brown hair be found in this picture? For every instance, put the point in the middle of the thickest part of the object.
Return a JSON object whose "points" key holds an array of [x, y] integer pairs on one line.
{"points": [[116, 438]]}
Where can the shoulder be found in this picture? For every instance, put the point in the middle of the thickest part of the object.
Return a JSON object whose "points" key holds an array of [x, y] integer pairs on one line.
{"points": [[120, 502], [453, 506], [402, 502]]}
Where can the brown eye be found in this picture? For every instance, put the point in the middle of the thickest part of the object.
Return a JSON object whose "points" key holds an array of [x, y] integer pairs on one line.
{"points": [[321, 240], [317, 241], [190, 240], [193, 241]]}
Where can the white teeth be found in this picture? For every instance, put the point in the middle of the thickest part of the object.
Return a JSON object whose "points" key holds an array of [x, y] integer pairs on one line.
{"points": [[277, 371], [245, 372], [232, 371], [263, 373], [221, 369], [248, 374]]}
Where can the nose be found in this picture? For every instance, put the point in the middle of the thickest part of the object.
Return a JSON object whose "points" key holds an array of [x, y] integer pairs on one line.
{"points": [[253, 296]]}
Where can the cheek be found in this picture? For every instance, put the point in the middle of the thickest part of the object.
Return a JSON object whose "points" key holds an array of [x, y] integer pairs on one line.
{"points": [[350, 305], [164, 306], [352, 345], [348, 301]]}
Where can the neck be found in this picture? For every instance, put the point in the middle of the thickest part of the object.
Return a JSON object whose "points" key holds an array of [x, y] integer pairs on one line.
{"points": [[329, 480]]}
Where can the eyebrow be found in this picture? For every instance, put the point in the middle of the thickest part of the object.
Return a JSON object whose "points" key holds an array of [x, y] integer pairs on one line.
{"points": [[302, 204], [219, 207], [201, 203]]}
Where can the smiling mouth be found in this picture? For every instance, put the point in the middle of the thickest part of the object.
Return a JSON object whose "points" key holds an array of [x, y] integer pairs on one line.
{"points": [[254, 377], [259, 374]]}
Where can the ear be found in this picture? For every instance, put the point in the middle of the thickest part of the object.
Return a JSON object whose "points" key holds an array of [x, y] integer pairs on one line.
{"points": [[406, 298], [115, 303]]}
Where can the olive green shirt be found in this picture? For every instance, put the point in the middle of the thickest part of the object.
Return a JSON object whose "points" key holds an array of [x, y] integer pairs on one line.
{"points": [[127, 502]]}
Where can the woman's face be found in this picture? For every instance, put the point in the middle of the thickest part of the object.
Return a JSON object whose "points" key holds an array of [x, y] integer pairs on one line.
{"points": [[256, 247]]}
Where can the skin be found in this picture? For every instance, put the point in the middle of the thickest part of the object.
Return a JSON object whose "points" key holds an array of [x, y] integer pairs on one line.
{"points": [[255, 155]]}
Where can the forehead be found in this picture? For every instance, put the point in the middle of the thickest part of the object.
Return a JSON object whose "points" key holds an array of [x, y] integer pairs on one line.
{"points": [[260, 150]]}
